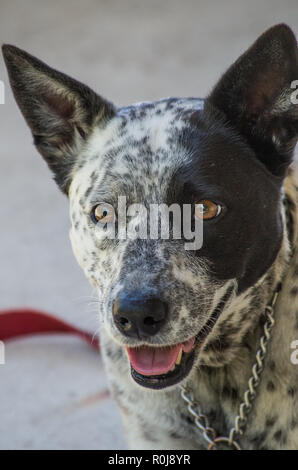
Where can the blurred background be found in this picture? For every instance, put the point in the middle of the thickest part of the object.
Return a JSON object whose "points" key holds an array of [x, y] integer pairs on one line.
{"points": [[53, 390]]}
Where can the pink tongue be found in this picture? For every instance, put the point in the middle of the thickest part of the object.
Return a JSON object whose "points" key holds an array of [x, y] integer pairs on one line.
{"points": [[156, 361]]}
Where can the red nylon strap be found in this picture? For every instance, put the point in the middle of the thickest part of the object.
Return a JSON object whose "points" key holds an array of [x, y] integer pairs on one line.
{"points": [[22, 322]]}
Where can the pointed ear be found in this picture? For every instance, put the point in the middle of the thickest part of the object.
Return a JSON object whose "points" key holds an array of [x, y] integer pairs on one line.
{"points": [[60, 111], [257, 96]]}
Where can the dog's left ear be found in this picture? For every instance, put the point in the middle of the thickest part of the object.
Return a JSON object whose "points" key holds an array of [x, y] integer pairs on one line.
{"points": [[60, 111], [257, 95]]}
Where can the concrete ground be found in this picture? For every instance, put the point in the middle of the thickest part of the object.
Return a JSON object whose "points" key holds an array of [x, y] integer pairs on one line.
{"points": [[53, 391]]}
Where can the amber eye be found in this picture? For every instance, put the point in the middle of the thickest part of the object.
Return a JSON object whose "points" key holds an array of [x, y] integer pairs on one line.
{"points": [[103, 213], [207, 210]]}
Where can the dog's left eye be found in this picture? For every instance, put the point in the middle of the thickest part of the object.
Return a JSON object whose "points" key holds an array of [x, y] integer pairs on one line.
{"points": [[207, 210]]}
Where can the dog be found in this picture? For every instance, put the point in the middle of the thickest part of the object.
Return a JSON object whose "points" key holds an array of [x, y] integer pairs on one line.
{"points": [[198, 344]]}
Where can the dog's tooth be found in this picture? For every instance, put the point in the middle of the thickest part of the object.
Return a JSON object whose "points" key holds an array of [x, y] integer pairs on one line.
{"points": [[178, 360], [172, 368]]}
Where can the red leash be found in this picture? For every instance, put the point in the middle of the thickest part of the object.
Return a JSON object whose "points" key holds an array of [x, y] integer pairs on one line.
{"points": [[22, 322]]}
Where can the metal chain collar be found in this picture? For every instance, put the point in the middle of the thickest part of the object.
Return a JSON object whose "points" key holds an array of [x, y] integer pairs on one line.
{"points": [[245, 407]]}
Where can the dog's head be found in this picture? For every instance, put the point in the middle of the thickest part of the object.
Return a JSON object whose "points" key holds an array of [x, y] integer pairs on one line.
{"points": [[222, 159]]}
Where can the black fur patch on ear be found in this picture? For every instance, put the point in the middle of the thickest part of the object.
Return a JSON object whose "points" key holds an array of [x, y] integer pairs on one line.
{"points": [[60, 111], [255, 95]]}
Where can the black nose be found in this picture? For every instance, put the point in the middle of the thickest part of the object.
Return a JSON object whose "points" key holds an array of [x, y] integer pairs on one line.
{"points": [[139, 317]]}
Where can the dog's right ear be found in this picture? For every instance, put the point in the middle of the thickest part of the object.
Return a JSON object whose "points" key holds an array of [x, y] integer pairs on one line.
{"points": [[60, 111]]}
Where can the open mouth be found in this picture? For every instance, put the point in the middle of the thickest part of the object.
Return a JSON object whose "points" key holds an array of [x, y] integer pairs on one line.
{"points": [[160, 367]]}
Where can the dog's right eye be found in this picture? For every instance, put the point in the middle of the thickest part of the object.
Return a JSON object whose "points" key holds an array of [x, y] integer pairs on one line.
{"points": [[207, 210], [103, 213]]}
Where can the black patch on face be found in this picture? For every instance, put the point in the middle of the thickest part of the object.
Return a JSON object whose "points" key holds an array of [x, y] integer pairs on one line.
{"points": [[243, 241]]}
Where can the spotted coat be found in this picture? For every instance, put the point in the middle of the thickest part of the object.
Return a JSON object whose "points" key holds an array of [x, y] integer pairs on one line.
{"points": [[236, 147]]}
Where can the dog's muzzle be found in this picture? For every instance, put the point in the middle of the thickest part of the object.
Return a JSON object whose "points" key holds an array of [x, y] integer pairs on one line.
{"points": [[141, 317], [155, 366]]}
